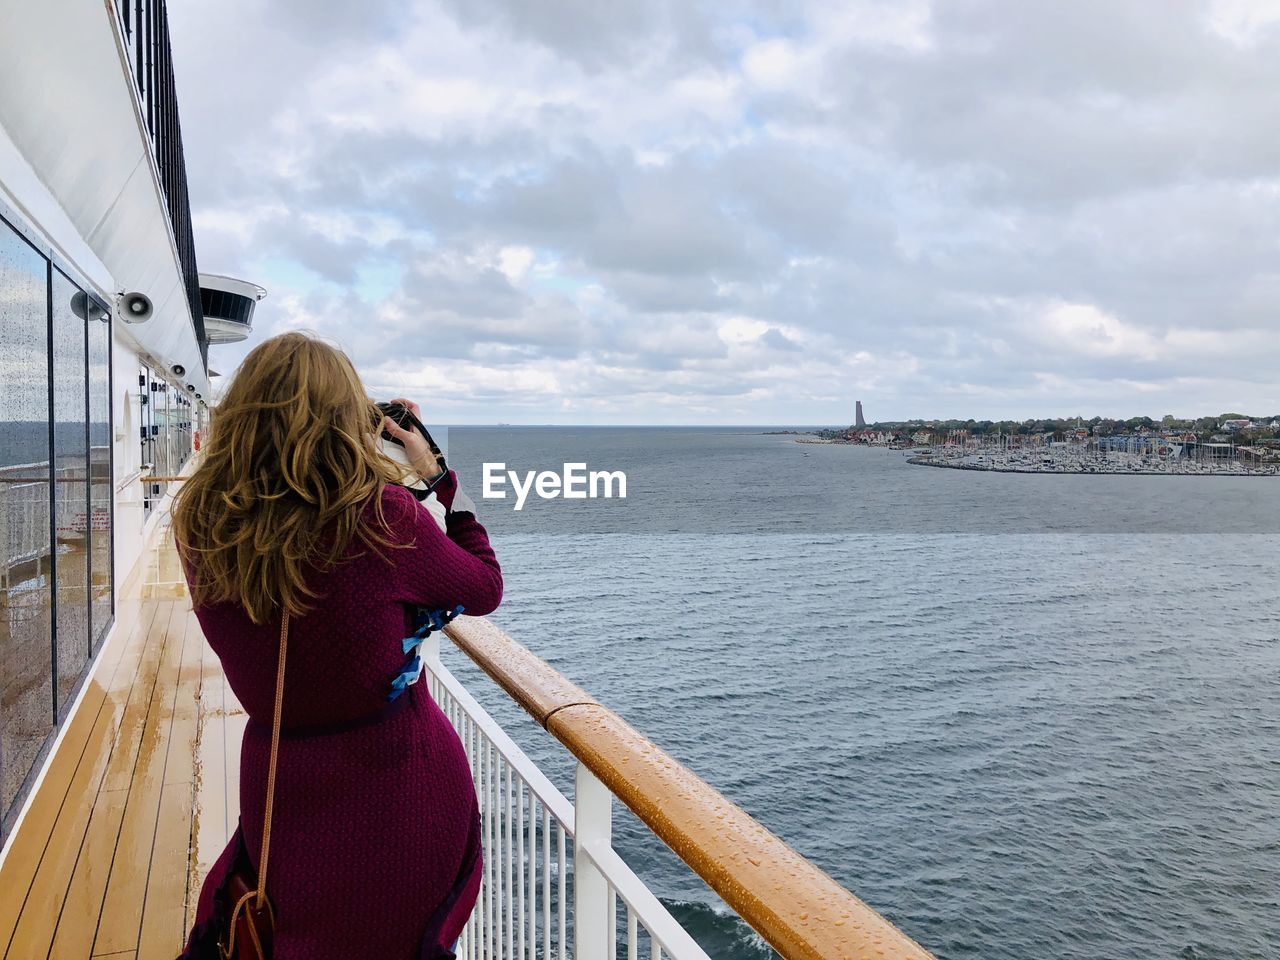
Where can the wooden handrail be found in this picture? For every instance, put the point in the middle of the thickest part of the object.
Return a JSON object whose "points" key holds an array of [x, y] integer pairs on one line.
{"points": [[529, 681], [798, 908]]}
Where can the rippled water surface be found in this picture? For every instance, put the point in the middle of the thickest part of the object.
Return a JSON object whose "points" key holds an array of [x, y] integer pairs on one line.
{"points": [[1015, 745]]}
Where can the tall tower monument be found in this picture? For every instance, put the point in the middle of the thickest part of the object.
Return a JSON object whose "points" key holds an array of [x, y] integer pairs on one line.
{"points": [[858, 421]]}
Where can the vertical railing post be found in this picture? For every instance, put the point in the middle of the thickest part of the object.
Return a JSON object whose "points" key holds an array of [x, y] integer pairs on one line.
{"points": [[593, 818], [429, 651]]}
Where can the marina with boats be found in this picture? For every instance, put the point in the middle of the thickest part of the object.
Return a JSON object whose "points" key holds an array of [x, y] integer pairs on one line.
{"points": [[1181, 461]]}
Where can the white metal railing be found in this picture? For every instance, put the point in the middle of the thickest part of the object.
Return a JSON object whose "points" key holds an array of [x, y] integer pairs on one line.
{"points": [[24, 510], [24, 521], [552, 882]]}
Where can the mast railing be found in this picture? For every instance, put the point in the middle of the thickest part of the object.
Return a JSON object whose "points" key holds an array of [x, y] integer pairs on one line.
{"points": [[800, 910]]}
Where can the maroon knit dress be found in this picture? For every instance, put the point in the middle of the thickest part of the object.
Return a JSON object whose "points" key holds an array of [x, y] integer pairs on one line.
{"points": [[375, 847]]}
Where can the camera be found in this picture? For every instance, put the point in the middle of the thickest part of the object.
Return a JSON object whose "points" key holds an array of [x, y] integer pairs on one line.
{"points": [[422, 489]]}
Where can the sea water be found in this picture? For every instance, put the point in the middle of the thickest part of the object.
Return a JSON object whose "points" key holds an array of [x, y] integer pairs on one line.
{"points": [[1021, 716]]}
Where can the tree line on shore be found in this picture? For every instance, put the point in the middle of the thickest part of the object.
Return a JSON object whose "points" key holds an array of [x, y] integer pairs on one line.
{"points": [[1204, 428]]}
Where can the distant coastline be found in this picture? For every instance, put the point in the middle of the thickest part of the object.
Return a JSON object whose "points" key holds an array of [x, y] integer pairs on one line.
{"points": [[1227, 445]]}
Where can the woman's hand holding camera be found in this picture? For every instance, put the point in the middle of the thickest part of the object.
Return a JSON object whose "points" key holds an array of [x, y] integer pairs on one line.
{"points": [[416, 447]]}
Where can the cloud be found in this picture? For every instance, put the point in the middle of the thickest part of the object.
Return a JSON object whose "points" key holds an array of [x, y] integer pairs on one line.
{"points": [[1083, 328], [751, 211]]}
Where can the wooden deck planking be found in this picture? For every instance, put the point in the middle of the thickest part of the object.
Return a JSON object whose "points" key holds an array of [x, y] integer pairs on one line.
{"points": [[28, 845], [97, 866], [124, 758], [45, 896], [45, 849], [164, 913], [75, 938], [138, 800], [214, 814], [119, 923], [82, 886], [218, 781], [93, 868]]}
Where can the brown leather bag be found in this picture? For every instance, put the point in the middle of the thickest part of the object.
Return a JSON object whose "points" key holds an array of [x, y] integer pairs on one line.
{"points": [[250, 931]]}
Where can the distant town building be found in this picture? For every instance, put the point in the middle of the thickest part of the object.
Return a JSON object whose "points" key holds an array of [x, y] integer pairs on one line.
{"points": [[858, 422]]}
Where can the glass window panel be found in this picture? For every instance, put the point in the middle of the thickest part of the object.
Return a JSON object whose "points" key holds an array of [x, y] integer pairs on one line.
{"points": [[101, 518], [146, 397], [160, 427], [26, 684], [71, 486]]}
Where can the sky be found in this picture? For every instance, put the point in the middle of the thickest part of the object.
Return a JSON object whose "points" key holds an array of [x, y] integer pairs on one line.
{"points": [[670, 211]]}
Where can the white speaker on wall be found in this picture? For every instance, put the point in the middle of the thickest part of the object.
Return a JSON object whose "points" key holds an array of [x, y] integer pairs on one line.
{"points": [[135, 307]]}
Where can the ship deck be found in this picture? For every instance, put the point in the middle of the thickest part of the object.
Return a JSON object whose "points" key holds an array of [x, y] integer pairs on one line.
{"points": [[139, 796]]}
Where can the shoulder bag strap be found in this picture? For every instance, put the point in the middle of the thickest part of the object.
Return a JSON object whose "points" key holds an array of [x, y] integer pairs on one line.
{"points": [[271, 769]]}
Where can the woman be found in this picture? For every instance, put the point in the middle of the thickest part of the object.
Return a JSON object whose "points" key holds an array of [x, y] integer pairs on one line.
{"points": [[374, 846]]}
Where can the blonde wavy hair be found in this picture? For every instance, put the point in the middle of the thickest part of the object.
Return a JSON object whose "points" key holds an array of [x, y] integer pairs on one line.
{"points": [[289, 467]]}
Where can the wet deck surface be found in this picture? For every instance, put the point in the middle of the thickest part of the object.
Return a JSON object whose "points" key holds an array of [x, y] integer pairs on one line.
{"points": [[139, 798]]}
